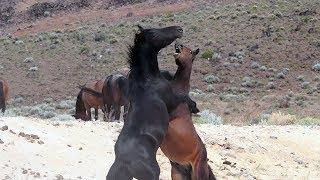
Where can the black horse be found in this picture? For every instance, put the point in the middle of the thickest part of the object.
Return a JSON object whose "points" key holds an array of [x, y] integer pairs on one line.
{"points": [[151, 100]]}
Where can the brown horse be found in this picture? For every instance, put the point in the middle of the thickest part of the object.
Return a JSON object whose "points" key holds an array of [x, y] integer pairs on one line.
{"points": [[182, 145], [4, 94], [115, 93], [90, 96]]}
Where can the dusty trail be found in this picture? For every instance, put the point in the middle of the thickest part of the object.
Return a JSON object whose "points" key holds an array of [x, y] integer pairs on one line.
{"points": [[41, 149]]}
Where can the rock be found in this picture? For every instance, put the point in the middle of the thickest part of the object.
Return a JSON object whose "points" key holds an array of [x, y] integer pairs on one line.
{"points": [[263, 68], [33, 136], [273, 137], [285, 71], [18, 42], [271, 85], [18, 100], [210, 88], [300, 78], [47, 14], [255, 65], [280, 75], [33, 69], [253, 48], [4, 128], [272, 70], [317, 78], [216, 56], [211, 79], [59, 177], [305, 85], [24, 171], [28, 60], [316, 67], [1, 142]]}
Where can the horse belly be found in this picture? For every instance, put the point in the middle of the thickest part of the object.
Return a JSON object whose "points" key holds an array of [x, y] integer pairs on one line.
{"points": [[180, 143]]}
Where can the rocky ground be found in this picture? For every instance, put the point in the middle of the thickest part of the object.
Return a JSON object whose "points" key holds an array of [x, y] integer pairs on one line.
{"points": [[40, 149]]}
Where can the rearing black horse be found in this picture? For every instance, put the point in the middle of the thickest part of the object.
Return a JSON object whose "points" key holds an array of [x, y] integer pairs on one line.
{"points": [[151, 100]]}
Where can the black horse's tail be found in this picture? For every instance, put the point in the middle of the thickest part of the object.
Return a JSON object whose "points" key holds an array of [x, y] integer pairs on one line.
{"points": [[79, 105], [123, 84], [2, 98]]}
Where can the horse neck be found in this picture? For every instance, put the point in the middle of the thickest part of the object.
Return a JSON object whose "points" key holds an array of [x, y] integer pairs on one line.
{"points": [[182, 78], [146, 61]]}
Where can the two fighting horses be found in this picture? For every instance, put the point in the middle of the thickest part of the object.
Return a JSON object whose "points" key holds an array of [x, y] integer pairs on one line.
{"points": [[155, 104]]}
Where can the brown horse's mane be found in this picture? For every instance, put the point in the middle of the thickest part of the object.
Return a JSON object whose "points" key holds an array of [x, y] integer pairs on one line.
{"points": [[90, 91]]}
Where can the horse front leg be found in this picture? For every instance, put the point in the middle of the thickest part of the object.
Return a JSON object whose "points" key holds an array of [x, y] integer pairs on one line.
{"points": [[96, 113], [89, 114]]}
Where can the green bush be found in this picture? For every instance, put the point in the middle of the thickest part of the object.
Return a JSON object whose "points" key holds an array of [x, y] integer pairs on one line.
{"points": [[207, 54]]}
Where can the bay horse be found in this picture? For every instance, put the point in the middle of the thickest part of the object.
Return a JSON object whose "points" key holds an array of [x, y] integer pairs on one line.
{"points": [[151, 100], [4, 94], [90, 96], [115, 94], [181, 144]]}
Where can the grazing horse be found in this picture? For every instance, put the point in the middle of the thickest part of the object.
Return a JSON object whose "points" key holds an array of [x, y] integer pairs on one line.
{"points": [[4, 94], [151, 100], [182, 145], [115, 93], [90, 96]]}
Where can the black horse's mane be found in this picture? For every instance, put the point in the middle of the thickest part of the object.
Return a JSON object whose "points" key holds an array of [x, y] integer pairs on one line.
{"points": [[142, 59]]}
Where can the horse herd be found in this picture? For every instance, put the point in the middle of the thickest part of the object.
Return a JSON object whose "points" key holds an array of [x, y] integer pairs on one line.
{"points": [[157, 111]]}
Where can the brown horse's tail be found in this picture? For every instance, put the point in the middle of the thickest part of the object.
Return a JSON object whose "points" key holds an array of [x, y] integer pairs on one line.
{"points": [[211, 175], [80, 109], [2, 98]]}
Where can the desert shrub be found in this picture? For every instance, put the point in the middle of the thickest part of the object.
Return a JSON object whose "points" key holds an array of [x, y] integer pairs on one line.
{"points": [[207, 54], [309, 121], [84, 50], [279, 118], [6, 14], [211, 79], [66, 104], [208, 117], [39, 9], [232, 97]]}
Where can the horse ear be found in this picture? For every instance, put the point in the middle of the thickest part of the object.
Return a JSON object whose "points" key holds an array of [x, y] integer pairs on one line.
{"points": [[196, 52], [140, 28]]}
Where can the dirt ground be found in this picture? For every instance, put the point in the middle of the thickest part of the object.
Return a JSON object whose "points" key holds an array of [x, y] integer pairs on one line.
{"points": [[40, 149]]}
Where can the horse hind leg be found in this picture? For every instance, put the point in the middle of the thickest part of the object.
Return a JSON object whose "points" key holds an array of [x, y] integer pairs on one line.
{"points": [[201, 169], [179, 172], [118, 171]]}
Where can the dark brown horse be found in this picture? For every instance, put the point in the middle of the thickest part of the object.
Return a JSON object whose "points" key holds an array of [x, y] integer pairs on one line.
{"points": [[182, 145], [115, 92], [90, 96], [4, 94], [151, 100]]}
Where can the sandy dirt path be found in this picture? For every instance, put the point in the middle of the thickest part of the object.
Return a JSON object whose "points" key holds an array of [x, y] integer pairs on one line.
{"points": [[42, 149]]}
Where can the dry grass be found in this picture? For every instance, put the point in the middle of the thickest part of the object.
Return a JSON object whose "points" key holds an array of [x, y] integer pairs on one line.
{"points": [[280, 118]]}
